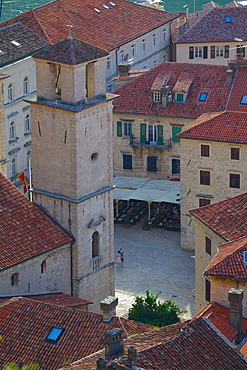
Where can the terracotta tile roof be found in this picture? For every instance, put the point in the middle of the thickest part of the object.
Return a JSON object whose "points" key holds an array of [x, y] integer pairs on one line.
{"points": [[226, 218], [160, 81], [24, 325], [229, 260], [238, 89], [183, 83], [212, 27], [26, 231], [141, 342], [223, 126], [199, 346], [28, 40], [70, 51], [107, 29], [136, 96], [219, 316]]}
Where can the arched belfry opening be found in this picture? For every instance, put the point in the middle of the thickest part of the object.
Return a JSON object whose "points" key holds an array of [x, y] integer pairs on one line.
{"points": [[95, 244]]}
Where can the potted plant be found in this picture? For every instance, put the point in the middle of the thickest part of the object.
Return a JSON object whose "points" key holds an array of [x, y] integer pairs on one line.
{"points": [[145, 224], [126, 221]]}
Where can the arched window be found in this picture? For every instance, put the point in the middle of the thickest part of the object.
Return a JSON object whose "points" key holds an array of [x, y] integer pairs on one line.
{"points": [[29, 165], [12, 130], [95, 244], [27, 122], [14, 279], [25, 85], [13, 167], [43, 267], [10, 92]]}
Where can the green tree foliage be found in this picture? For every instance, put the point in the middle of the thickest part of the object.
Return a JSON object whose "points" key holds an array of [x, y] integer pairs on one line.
{"points": [[151, 311], [14, 366]]}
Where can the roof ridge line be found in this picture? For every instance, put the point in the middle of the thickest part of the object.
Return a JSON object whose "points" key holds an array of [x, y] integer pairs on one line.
{"points": [[33, 11]]}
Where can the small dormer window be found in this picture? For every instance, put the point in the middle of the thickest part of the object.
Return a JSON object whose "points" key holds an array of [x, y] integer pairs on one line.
{"points": [[156, 96], [203, 96], [54, 335], [180, 97], [245, 257], [228, 19]]}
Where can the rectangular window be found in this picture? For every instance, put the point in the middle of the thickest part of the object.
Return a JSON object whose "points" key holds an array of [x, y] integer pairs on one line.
{"points": [[121, 56], [164, 34], [143, 132], [240, 50], [203, 96], [204, 202], [154, 39], [226, 51], [205, 52], [119, 128], [127, 128], [127, 161], [175, 131], [207, 290], [234, 180], [180, 97], [156, 96], [212, 51], [143, 45], [191, 52], [133, 50], [205, 177], [155, 63], [204, 150], [208, 245], [198, 51], [151, 162], [175, 166], [152, 133], [235, 153], [228, 19], [108, 63], [243, 100], [219, 51]]}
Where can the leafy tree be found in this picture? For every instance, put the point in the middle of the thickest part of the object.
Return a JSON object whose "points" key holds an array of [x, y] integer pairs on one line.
{"points": [[14, 366], [151, 311]]}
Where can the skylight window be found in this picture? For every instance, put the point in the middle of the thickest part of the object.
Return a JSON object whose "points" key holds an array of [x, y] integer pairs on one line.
{"points": [[16, 43], [97, 10], [228, 19], [54, 335], [105, 6], [244, 100], [113, 4], [1, 52], [245, 257], [203, 96]]}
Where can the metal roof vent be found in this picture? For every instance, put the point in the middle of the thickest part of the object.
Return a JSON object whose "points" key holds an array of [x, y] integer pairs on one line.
{"points": [[97, 10]]}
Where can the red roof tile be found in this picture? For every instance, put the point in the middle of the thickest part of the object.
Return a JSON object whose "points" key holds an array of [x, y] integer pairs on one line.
{"points": [[108, 29], [26, 231], [238, 89], [226, 218], [212, 27], [24, 325], [136, 96], [219, 316], [70, 51], [223, 126], [229, 260]]}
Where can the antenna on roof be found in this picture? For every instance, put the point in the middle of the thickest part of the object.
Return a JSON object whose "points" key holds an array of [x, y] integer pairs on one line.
{"points": [[69, 28]]}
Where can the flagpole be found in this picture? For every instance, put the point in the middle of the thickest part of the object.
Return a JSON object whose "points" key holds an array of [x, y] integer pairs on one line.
{"points": [[30, 179]]}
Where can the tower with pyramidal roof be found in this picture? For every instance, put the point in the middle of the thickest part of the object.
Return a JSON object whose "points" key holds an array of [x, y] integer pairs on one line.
{"points": [[72, 159]]}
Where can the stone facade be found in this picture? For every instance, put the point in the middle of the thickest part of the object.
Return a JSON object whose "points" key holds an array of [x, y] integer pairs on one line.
{"points": [[3, 154], [46, 273], [74, 183], [220, 166], [167, 155], [202, 260]]}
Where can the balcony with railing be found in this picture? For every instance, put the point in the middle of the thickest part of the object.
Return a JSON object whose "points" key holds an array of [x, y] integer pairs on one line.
{"points": [[159, 144], [95, 262]]}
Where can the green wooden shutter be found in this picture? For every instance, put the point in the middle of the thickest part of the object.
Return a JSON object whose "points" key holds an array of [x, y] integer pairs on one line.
{"points": [[226, 51], [160, 135], [175, 131], [119, 128], [205, 52], [143, 132]]}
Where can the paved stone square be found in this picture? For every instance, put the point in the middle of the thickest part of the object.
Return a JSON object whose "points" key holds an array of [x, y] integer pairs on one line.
{"points": [[153, 259]]}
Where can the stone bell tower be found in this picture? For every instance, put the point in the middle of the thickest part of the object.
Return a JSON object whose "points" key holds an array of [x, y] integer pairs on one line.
{"points": [[72, 159]]}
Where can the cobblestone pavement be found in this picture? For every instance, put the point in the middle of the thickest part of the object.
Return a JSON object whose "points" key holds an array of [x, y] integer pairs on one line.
{"points": [[153, 259]]}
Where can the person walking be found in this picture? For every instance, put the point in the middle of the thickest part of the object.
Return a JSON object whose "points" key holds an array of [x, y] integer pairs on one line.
{"points": [[118, 258], [122, 255]]}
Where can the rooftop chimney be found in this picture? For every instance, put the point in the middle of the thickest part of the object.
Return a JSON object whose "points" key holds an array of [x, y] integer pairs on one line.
{"points": [[229, 73], [101, 364], [132, 354], [114, 342], [108, 307], [165, 96], [235, 297], [123, 69]]}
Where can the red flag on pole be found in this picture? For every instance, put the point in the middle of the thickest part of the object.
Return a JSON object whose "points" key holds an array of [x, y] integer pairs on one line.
{"points": [[22, 177]]}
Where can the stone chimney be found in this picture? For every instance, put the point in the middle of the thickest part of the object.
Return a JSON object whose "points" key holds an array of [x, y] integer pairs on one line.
{"points": [[123, 69], [101, 364], [229, 73], [114, 342], [132, 354], [108, 307], [235, 297]]}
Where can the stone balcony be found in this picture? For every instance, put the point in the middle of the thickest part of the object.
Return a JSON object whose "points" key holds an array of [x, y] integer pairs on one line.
{"points": [[136, 141]]}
